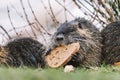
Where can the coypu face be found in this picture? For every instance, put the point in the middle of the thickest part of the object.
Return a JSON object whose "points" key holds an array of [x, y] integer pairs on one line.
{"points": [[70, 32]]}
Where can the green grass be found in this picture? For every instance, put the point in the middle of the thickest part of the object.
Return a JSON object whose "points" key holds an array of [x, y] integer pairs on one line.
{"points": [[102, 73]]}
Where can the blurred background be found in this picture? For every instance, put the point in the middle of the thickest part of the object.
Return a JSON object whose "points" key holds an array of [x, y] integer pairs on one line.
{"points": [[39, 19]]}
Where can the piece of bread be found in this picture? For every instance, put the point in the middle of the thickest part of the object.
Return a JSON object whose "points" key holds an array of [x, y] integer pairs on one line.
{"points": [[61, 55], [117, 64]]}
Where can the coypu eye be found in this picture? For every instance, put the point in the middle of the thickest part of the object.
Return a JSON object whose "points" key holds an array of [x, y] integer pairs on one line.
{"points": [[79, 25]]}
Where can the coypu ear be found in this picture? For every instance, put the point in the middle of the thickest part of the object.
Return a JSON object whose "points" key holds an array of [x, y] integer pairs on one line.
{"points": [[78, 22], [79, 25]]}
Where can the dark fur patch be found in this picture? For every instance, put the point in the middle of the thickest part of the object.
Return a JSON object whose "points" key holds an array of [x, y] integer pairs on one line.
{"points": [[111, 42], [25, 52]]}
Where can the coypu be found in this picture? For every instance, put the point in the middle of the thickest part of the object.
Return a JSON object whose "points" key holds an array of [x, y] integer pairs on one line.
{"points": [[84, 32], [23, 52], [111, 42]]}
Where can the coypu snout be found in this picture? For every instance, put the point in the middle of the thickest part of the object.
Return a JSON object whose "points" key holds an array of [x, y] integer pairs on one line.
{"points": [[60, 39]]}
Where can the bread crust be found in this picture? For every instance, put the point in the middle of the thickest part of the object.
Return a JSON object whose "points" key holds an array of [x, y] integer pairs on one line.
{"points": [[61, 55]]}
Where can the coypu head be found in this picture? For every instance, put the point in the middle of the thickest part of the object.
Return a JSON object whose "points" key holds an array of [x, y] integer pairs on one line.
{"points": [[74, 31]]}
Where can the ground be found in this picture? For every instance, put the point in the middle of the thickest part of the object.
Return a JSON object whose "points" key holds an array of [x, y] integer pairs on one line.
{"points": [[102, 73]]}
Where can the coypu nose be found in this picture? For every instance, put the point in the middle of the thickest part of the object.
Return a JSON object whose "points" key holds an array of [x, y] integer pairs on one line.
{"points": [[59, 38]]}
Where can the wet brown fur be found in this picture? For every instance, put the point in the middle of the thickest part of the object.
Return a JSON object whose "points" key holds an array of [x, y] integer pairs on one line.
{"points": [[23, 52], [111, 42]]}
